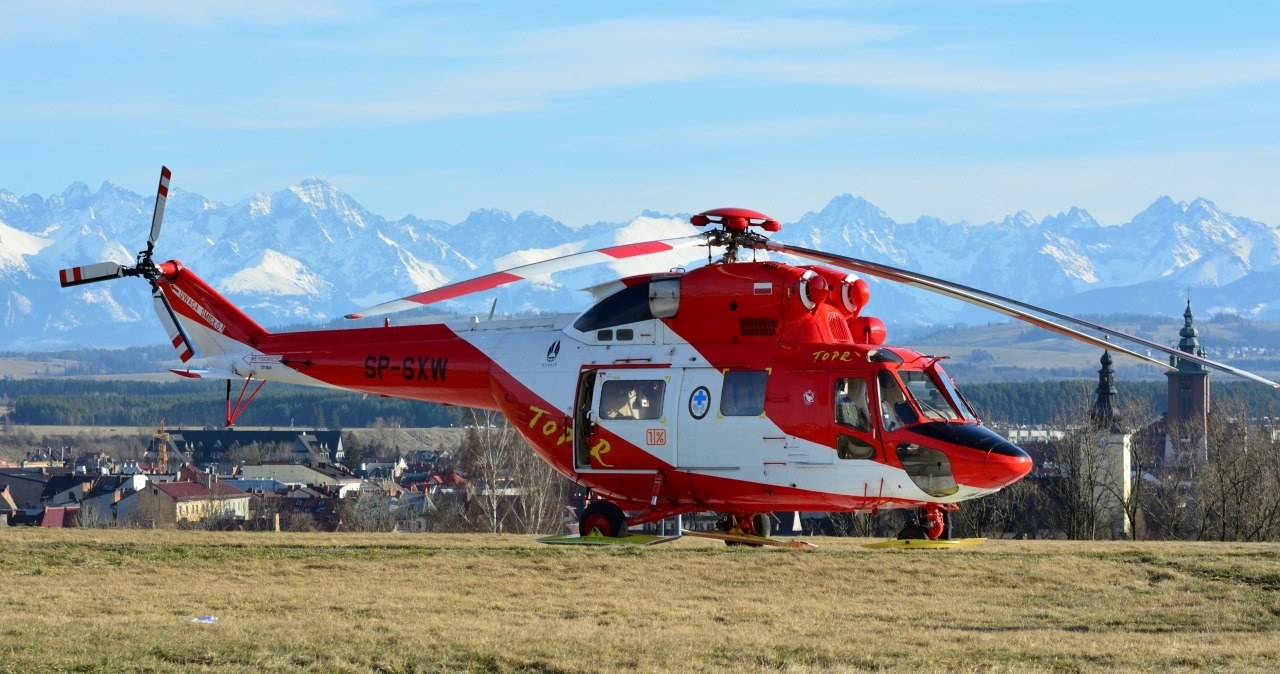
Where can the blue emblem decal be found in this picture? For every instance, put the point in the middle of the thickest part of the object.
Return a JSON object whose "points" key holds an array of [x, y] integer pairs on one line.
{"points": [[700, 402]]}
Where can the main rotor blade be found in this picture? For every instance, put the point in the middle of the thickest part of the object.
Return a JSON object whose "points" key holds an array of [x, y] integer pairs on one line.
{"points": [[162, 196], [558, 264], [90, 273], [1012, 308]]}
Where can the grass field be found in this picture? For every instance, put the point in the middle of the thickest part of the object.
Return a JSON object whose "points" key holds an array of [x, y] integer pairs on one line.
{"points": [[122, 601]]}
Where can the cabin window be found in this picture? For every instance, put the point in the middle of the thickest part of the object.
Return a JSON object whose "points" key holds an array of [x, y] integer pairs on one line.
{"points": [[743, 393], [851, 404], [664, 297], [629, 305], [928, 396], [632, 399]]}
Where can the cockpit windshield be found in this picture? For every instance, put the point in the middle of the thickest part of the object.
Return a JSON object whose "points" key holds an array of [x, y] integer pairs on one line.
{"points": [[928, 395], [957, 399]]}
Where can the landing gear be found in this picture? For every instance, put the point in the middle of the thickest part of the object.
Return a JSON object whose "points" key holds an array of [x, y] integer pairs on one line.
{"points": [[932, 523], [931, 531], [746, 524], [913, 532], [605, 517]]}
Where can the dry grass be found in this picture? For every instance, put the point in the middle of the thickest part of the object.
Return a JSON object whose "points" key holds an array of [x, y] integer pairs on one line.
{"points": [[113, 601]]}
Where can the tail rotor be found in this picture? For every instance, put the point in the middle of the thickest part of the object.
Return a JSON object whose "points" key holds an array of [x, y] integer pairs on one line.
{"points": [[144, 267]]}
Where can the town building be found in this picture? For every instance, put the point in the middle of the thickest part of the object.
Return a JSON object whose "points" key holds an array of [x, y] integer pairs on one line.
{"points": [[217, 446]]}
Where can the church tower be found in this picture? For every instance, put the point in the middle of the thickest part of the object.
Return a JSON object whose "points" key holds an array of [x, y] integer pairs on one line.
{"points": [[1114, 457], [1187, 421], [1104, 405]]}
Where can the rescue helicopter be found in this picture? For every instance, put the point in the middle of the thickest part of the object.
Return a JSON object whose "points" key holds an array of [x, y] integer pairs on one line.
{"points": [[741, 387]]}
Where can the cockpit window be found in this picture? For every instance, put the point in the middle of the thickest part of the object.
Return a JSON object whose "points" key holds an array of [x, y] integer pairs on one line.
{"points": [[895, 410], [628, 305], [928, 396], [954, 394]]}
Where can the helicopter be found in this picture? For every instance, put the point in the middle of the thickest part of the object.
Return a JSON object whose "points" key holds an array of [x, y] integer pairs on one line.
{"points": [[741, 387]]}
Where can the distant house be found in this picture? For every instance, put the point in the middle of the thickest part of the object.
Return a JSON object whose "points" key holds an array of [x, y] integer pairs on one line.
{"points": [[58, 517], [63, 490], [173, 502], [318, 508], [8, 509], [99, 507], [257, 485], [47, 458], [317, 475], [215, 445], [26, 489], [389, 467]]}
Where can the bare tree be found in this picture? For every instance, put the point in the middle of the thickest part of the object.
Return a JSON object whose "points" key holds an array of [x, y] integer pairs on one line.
{"points": [[368, 511], [512, 488], [486, 456], [1079, 455], [543, 493], [1238, 485]]}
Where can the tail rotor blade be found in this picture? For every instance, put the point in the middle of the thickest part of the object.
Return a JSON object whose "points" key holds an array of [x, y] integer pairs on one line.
{"points": [[90, 273], [177, 337], [162, 196]]}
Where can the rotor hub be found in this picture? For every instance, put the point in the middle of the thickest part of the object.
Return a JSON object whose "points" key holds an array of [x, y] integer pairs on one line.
{"points": [[736, 228]]}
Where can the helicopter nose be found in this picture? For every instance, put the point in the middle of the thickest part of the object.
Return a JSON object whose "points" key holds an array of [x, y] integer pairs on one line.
{"points": [[979, 457], [1004, 467]]}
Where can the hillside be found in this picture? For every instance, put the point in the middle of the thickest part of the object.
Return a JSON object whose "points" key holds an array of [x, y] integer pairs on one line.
{"points": [[1013, 351]]}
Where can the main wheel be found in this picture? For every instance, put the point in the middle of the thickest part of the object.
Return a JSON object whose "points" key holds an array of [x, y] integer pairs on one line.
{"points": [[605, 517], [763, 524], [759, 524], [913, 532]]}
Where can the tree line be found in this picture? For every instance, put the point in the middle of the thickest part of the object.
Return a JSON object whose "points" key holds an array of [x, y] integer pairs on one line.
{"points": [[79, 402]]}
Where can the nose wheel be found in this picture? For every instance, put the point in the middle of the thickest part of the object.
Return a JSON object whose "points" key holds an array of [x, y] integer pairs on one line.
{"points": [[933, 522]]}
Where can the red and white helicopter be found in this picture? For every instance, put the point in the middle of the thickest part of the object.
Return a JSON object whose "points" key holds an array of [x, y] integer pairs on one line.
{"points": [[741, 387]]}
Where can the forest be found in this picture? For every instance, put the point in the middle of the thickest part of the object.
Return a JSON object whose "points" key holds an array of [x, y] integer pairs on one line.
{"points": [[78, 402]]}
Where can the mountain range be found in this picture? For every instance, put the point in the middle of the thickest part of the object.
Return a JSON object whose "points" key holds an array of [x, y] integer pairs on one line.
{"points": [[311, 253]]}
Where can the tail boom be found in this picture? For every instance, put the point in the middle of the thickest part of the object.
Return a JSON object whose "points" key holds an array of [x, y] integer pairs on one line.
{"points": [[421, 362]]}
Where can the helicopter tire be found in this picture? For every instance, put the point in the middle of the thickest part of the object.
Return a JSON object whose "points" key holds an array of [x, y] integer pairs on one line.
{"points": [[763, 525], [913, 532], [604, 516]]}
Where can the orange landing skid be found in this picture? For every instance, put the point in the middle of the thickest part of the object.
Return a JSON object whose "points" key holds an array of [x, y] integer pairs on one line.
{"points": [[747, 539], [924, 544]]}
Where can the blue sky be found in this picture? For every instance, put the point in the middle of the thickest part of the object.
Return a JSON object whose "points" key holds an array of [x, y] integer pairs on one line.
{"points": [[595, 111]]}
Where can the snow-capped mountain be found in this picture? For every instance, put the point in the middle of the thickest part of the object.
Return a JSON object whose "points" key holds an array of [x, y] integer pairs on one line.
{"points": [[311, 253]]}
